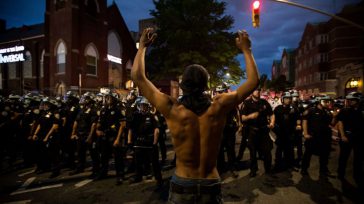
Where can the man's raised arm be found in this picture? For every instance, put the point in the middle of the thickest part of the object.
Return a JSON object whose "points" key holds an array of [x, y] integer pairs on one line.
{"points": [[234, 98], [161, 101]]}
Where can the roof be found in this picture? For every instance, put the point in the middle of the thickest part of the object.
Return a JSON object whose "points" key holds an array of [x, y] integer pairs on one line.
{"points": [[22, 32]]}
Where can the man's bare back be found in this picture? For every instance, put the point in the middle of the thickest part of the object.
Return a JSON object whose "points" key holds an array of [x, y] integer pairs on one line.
{"points": [[196, 140], [196, 137]]}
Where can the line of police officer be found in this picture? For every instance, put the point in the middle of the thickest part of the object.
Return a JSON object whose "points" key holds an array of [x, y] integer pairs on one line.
{"points": [[287, 125], [56, 133], [53, 131]]}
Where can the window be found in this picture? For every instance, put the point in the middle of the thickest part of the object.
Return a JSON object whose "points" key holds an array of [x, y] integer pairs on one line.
{"points": [[12, 70], [91, 60], [27, 65], [61, 58]]}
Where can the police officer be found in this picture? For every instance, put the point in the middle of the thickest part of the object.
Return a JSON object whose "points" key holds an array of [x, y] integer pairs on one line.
{"points": [[83, 128], [13, 132], [47, 136], [317, 134], [145, 132], [286, 117], [31, 105], [130, 110], [107, 130], [259, 118], [298, 105], [228, 140], [350, 125], [5, 128], [71, 111]]}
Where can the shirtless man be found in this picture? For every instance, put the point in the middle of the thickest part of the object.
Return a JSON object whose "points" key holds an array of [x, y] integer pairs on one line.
{"points": [[196, 122]]}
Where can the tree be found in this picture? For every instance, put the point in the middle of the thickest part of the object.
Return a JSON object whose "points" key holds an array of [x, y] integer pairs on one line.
{"points": [[193, 32]]}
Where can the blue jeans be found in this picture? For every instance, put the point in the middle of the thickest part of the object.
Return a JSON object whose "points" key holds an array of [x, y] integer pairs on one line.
{"points": [[188, 191]]}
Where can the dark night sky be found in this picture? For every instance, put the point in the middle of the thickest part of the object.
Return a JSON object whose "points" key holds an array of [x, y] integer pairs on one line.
{"points": [[281, 25]]}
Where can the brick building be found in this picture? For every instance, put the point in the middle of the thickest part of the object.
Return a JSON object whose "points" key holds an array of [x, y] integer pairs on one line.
{"points": [[81, 46], [312, 62], [330, 56]]}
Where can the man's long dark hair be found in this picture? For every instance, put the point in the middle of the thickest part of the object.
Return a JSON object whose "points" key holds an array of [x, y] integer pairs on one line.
{"points": [[194, 83]]}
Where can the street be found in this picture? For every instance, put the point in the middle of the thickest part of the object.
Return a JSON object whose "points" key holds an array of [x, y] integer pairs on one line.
{"points": [[24, 186]]}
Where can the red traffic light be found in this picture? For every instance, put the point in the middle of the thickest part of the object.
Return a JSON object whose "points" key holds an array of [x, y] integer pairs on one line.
{"points": [[255, 13], [256, 5]]}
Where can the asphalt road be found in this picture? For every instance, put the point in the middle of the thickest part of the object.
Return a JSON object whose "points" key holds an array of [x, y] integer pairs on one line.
{"points": [[24, 186]]}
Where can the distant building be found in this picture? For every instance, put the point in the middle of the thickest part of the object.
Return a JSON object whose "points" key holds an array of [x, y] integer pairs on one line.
{"points": [[81, 46], [288, 64], [312, 62], [346, 50], [329, 58]]}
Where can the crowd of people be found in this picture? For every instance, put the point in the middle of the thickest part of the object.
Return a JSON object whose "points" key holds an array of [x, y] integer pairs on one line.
{"points": [[55, 133]]}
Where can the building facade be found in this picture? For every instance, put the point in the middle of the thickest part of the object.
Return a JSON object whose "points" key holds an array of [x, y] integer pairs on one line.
{"points": [[312, 62], [330, 57], [81, 46]]}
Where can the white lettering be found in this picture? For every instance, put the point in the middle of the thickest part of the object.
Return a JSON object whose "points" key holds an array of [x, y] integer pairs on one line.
{"points": [[12, 58], [12, 49]]}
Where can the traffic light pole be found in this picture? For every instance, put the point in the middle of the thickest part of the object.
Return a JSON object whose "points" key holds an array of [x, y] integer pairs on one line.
{"points": [[321, 12]]}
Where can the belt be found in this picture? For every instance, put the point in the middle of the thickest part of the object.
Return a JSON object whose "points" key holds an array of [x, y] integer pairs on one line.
{"points": [[196, 189]]}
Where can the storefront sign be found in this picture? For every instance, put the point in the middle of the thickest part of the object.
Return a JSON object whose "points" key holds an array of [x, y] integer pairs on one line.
{"points": [[12, 54]]}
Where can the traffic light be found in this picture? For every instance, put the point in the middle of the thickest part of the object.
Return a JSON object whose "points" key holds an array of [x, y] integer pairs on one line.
{"points": [[255, 13]]}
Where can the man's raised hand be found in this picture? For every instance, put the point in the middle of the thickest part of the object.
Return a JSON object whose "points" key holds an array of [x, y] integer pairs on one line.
{"points": [[147, 38], [243, 41]]}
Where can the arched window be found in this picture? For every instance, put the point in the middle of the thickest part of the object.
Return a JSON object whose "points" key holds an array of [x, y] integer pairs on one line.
{"points": [[41, 70], [91, 60], [61, 58], [27, 65]]}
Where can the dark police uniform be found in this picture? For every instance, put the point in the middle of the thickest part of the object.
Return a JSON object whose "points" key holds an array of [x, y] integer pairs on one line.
{"points": [[258, 133], [108, 122], [85, 118], [285, 125], [353, 122], [298, 134], [143, 126], [318, 126], [48, 152], [228, 142]]}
